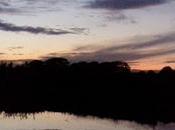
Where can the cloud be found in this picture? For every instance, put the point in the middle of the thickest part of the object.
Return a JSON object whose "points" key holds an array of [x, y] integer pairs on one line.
{"points": [[17, 54], [170, 61], [138, 42], [120, 17], [123, 4], [6, 7], [107, 55], [128, 52], [2, 53], [9, 11], [80, 30], [15, 48], [36, 6], [4, 3], [38, 30], [28, 6], [156, 40]]}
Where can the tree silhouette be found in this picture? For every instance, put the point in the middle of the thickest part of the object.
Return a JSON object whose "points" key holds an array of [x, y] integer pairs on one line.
{"points": [[107, 89], [166, 70]]}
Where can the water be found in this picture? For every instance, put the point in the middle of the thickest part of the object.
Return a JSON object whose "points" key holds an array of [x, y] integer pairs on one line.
{"points": [[59, 121]]}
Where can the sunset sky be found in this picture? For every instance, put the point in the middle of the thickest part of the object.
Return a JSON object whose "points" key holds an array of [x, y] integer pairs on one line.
{"points": [[140, 32]]}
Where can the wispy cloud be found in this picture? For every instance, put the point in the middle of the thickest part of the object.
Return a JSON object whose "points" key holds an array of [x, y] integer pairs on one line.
{"points": [[4, 3], [13, 48], [2, 53], [156, 40], [17, 54], [4, 26], [34, 6], [28, 6], [9, 7], [170, 61], [128, 52], [107, 55], [9, 11]]}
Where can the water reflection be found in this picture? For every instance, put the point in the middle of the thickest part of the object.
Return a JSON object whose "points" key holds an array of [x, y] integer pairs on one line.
{"points": [[59, 121]]}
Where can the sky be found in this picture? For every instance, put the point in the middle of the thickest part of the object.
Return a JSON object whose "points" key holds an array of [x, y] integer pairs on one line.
{"points": [[140, 32]]}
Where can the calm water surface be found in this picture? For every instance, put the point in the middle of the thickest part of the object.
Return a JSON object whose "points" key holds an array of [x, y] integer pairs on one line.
{"points": [[59, 121]]}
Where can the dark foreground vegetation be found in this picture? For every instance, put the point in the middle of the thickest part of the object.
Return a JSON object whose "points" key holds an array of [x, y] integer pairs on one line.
{"points": [[106, 89]]}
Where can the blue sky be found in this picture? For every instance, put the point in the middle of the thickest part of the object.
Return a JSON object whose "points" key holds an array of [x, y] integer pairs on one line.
{"points": [[140, 32]]}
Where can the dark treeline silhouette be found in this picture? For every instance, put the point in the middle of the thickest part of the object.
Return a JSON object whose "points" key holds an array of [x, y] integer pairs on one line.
{"points": [[108, 89]]}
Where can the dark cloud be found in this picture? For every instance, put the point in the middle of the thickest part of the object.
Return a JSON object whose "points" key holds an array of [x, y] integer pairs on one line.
{"points": [[37, 30], [123, 4]]}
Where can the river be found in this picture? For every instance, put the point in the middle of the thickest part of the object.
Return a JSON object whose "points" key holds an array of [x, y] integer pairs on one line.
{"points": [[60, 121]]}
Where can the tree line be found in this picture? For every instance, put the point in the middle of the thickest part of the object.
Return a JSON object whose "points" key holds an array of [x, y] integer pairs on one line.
{"points": [[107, 89]]}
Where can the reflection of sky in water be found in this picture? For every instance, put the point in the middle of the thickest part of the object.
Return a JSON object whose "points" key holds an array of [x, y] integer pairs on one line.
{"points": [[58, 121]]}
